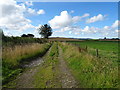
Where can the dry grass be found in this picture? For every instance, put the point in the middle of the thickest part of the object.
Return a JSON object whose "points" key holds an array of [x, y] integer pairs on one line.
{"points": [[13, 55]]}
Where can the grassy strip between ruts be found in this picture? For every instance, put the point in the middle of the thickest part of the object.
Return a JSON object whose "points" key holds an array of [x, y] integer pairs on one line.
{"points": [[90, 71], [13, 57], [48, 74]]}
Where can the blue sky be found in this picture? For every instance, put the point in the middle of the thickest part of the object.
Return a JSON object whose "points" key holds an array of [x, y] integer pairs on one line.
{"points": [[67, 19]]}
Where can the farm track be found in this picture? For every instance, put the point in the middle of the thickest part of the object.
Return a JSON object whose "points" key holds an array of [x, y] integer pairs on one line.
{"points": [[25, 79], [67, 79]]}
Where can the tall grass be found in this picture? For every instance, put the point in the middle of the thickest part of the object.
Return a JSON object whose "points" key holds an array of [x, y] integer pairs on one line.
{"points": [[13, 56], [90, 71]]}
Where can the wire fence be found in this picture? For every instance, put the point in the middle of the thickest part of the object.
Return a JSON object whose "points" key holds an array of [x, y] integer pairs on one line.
{"points": [[98, 52]]}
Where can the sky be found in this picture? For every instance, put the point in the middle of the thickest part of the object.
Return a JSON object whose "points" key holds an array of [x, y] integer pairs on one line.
{"points": [[67, 19]]}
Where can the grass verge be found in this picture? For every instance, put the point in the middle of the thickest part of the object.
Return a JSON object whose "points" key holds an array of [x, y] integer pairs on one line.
{"points": [[14, 56], [90, 71]]}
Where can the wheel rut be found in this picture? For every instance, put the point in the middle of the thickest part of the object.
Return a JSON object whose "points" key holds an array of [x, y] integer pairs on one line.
{"points": [[67, 79], [25, 79]]}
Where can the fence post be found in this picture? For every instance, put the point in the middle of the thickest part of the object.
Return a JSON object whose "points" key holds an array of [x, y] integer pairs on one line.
{"points": [[79, 49], [86, 48], [97, 54]]}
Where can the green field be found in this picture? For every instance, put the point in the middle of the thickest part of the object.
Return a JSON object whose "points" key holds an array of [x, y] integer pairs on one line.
{"points": [[106, 49], [102, 45]]}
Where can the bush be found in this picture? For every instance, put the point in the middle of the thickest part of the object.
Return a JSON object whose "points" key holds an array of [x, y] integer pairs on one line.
{"points": [[10, 41]]}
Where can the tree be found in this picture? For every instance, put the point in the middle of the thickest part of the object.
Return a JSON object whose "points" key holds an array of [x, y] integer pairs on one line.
{"points": [[45, 31], [24, 35], [104, 37], [30, 35]]}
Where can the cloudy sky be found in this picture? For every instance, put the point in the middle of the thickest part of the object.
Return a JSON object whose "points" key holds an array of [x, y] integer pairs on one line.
{"points": [[67, 19]]}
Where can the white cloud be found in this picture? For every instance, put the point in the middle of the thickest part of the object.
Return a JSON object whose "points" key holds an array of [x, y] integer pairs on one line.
{"points": [[34, 12], [86, 15], [72, 11], [117, 31], [106, 27], [86, 29], [19, 27], [29, 3], [76, 33], [77, 30], [70, 29], [38, 26], [78, 18], [106, 31], [65, 23], [65, 29], [70, 32], [64, 20], [115, 24], [41, 11], [31, 11], [14, 19], [11, 8], [27, 26], [93, 19], [61, 21], [12, 15]]}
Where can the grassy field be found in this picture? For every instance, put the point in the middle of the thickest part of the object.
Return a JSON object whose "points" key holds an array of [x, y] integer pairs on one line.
{"points": [[14, 56], [89, 70], [102, 45], [106, 49]]}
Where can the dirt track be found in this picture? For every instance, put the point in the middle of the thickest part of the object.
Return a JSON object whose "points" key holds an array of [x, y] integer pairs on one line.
{"points": [[67, 79], [25, 80]]}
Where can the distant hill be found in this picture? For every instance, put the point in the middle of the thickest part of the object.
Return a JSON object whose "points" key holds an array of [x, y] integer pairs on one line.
{"points": [[63, 39], [79, 39]]}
